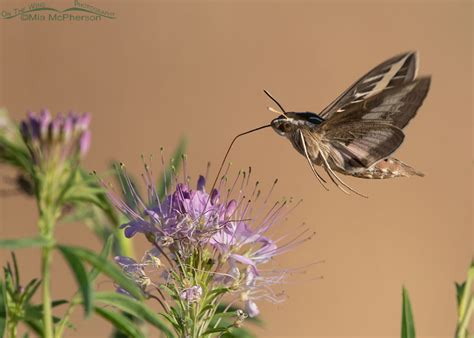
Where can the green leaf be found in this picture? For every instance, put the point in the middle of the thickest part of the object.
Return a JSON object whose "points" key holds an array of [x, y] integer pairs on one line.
{"points": [[465, 301], [465, 296], [21, 243], [217, 330], [3, 310], [459, 292], [16, 270], [238, 333], [120, 322], [35, 325], [408, 325], [30, 290], [119, 334], [216, 292], [33, 313], [15, 153], [204, 310], [105, 267], [171, 320], [104, 254], [135, 308], [165, 181], [82, 278], [53, 304]]}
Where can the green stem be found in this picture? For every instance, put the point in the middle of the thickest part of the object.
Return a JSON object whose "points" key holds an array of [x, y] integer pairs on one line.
{"points": [[462, 331], [62, 324], [12, 328], [46, 281], [48, 215]]}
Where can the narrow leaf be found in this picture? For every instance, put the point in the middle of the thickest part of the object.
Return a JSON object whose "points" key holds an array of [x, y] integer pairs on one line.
{"points": [[53, 304], [21, 243], [204, 310], [35, 325], [238, 333], [81, 277], [135, 308], [3, 310], [459, 292], [217, 330], [30, 290], [465, 296], [408, 325], [16, 270], [105, 267], [104, 254], [120, 322], [465, 301]]}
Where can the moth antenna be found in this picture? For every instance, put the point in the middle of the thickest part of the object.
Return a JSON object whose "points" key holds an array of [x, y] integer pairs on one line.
{"points": [[274, 100]]}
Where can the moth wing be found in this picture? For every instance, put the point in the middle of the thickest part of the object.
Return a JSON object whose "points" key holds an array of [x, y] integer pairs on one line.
{"points": [[395, 106], [357, 145], [390, 73]]}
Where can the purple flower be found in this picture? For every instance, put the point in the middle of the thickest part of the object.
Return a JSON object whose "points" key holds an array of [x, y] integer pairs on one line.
{"points": [[208, 241], [185, 214], [192, 294], [56, 139]]}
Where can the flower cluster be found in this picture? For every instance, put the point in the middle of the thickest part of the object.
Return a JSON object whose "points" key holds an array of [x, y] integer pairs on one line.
{"points": [[46, 151], [207, 248], [54, 140]]}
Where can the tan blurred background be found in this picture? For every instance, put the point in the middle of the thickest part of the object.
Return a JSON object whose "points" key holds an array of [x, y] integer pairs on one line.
{"points": [[162, 70]]}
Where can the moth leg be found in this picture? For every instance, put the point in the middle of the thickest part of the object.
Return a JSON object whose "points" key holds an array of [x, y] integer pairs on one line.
{"points": [[320, 179], [332, 174], [336, 182]]}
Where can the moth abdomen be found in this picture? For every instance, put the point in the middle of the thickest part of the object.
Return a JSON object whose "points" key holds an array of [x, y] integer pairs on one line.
{"points": [[387, 168]]}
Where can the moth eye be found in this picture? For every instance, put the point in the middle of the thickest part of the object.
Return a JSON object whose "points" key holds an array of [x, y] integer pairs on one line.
{"points": [[285, 127]]}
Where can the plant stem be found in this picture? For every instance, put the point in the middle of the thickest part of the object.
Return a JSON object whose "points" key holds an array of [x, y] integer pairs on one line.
{"points": [[48, 215], [53, 177], [12, 328], [47, 309], [461, 331], [62, 324]]}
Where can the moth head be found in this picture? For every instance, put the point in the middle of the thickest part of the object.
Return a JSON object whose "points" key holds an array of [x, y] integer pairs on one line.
{"points": [[283, 125]]}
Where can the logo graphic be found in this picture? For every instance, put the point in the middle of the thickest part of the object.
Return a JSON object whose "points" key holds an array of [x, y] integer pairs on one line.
{"points": [[40, 11]]}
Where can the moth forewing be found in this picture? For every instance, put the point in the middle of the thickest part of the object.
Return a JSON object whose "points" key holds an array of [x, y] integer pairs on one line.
{"points": [[395, 106], [390, 73]]}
